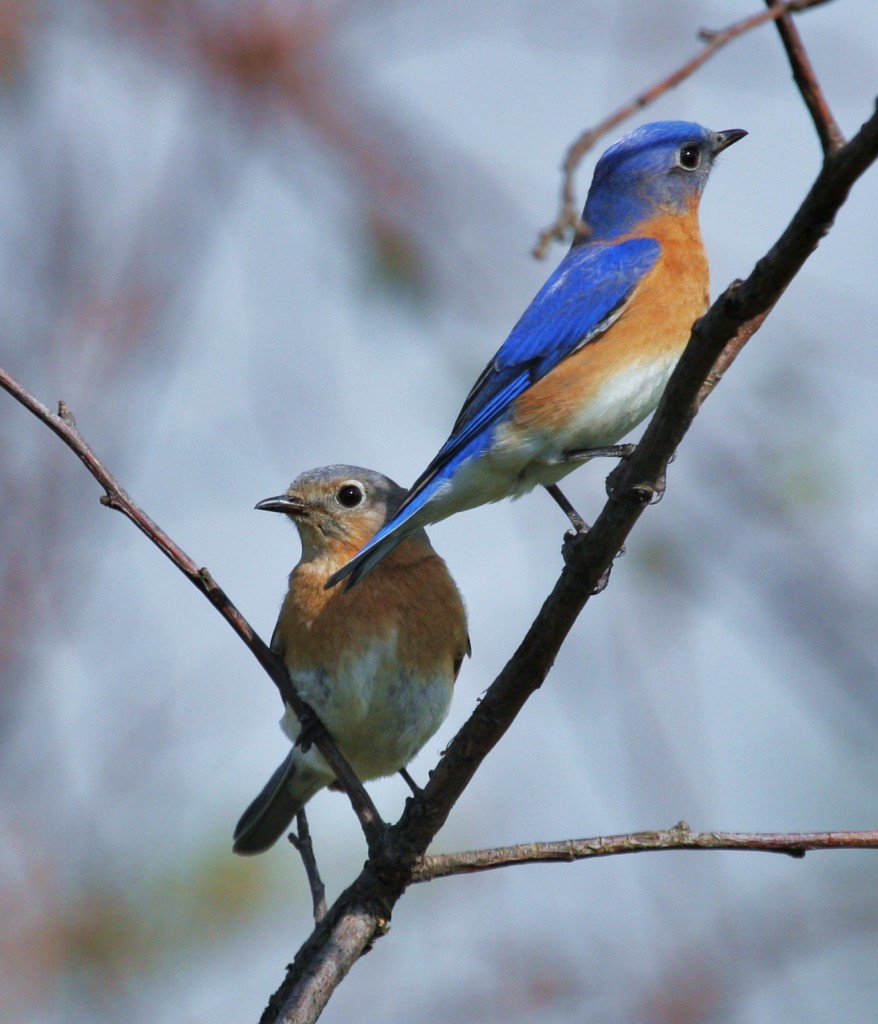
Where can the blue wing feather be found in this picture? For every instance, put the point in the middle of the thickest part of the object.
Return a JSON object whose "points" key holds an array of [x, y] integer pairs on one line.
{"points": [[586, 293], [581, 299]]}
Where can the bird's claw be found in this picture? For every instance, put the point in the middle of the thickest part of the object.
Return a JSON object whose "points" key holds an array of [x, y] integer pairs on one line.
{"points": [[310, 730], [658, 490], [573, 540]]}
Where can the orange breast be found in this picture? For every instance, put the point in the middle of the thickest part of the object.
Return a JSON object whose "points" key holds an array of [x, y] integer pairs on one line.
{"points": [[410, 595], [647, 338]]}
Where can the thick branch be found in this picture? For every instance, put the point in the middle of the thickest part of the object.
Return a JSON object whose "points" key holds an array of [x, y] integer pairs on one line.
{"points": [[64, 425], [794, 844], [361, 912], [323, 962]]}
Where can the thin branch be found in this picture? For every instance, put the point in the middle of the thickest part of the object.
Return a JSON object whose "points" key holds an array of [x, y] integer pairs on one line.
{"points": [[793, 844], [568, 217], [64, 425], [301, 840], [828, 131]]}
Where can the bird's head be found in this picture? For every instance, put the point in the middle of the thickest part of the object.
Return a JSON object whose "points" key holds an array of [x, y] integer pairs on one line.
{"points": [[336, 509], [658, 168]]}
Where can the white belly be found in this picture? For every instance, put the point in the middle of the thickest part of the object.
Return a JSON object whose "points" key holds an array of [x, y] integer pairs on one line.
{"points": [[517, 460], [379, 715]]}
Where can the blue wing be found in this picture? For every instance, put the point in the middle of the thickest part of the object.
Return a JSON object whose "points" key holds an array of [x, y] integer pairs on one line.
{"points": [[583, 297], [576, 305]]}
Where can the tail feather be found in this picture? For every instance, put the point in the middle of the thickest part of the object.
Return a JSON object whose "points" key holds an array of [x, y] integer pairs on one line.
{"points": [[290, 787], [367, 558], [385, 540]]}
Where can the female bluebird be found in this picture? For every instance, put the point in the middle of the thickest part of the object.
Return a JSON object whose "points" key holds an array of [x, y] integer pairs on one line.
{"points": [[377, 665], [591, 355]]}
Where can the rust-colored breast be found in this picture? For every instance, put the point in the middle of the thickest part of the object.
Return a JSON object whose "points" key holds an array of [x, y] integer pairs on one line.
{"points": [[409, 596], [651, 332]]}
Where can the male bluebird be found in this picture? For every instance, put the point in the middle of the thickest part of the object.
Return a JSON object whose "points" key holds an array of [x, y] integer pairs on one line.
{"points": [[377, 665], [591, 355]]}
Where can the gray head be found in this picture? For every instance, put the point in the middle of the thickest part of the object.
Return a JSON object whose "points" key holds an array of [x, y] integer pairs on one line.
{"points": [[337, 506]]}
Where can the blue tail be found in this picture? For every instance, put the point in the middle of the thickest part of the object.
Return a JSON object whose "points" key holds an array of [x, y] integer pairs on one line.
{"points": [[385, 540]]}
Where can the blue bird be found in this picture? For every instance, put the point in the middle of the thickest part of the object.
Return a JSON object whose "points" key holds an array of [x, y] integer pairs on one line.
{"points": [[591, 355]]}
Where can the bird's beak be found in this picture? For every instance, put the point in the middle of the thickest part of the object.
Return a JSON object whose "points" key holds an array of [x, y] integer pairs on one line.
{"points": [[282, 503], [722, 140]]}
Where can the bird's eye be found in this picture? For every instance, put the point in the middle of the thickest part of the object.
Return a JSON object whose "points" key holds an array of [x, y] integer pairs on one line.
{"points": [[350, 495], [689, 156]]}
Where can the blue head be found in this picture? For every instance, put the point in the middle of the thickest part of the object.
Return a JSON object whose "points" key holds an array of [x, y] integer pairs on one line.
{"points": [[658, 168]]}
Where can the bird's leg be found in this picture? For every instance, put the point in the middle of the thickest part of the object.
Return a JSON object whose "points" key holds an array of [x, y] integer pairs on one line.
{"points": [[610, 451], [569, 548], [410, 782], [620, 451], [311, 728], [579, 524], [573, 538]]}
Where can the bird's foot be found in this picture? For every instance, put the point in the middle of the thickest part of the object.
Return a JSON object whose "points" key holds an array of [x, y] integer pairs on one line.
{"points": [[573, 540], [647, 492], [578, 523], [311, 728], [658, 489]]}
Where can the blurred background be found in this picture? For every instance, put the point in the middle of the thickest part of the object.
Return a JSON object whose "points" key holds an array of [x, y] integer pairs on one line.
{"points": [[245, 239]]}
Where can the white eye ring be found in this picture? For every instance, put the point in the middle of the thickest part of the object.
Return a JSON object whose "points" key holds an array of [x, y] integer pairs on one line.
{"points": [[689, 156], [351, 494]]}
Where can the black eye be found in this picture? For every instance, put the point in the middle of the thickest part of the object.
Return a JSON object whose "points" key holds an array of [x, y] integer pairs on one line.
{"points": [[350, 495], [689, 156]]}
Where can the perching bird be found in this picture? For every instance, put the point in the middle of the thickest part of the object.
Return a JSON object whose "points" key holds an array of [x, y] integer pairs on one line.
{"points": [[591, 355], [377, 665]]}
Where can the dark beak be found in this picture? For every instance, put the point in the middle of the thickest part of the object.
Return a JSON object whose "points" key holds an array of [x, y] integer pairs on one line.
{"points": [[282, 503], [722, 140]]}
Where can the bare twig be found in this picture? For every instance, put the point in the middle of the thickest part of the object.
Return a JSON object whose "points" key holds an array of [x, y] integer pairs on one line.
{"points": [[301, 840], [568, 217], [64, 425], [828, 131], [794, 844]]}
